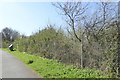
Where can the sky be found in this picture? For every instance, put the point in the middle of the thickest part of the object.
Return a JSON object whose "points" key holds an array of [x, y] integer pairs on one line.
{"points": [[28, 17]]}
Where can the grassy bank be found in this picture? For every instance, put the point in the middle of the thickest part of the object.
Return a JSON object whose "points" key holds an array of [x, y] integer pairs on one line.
{"points": [[52, 69]]}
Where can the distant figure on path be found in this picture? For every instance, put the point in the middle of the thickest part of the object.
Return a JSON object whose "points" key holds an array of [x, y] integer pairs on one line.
{"points": [[11, 47]]}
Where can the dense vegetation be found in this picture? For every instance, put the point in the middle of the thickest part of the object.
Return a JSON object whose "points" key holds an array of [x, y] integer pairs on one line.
{"points": [[54, 44], [51, 44], [49, 68], [92, 42]]}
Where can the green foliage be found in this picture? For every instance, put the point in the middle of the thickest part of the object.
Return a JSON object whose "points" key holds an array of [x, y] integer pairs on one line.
{"points": [[98, 50], [21, 44], [49, 43], [49, 68]]}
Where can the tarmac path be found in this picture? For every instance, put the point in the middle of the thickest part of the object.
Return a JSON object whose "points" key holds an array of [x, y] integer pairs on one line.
{"points": [[14, 68]]}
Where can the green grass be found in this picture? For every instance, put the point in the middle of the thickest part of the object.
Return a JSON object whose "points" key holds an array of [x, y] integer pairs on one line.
{"points": [[52, 69]]}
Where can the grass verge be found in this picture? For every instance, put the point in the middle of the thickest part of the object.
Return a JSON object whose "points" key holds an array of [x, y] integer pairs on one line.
{"points": [[48, 68]]}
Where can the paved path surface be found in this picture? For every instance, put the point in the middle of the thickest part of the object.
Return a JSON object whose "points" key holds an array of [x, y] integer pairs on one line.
{"points": [[13, 68]]}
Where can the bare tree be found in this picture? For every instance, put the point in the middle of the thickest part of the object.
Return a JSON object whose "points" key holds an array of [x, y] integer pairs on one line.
{"points": [[99, 26], [9, 34], [74, 13], [97, 31]]}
